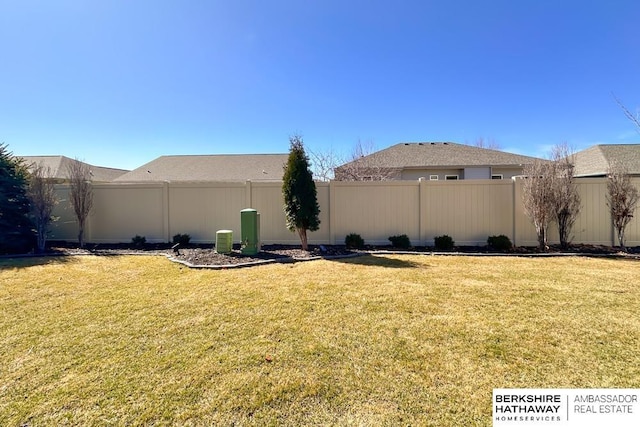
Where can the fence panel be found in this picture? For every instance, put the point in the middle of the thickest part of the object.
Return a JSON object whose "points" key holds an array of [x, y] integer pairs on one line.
{"points": [[468, 211], [632, 232], [376, 210], [200, 209], [123, 211], [593, 224], [66, 226]]}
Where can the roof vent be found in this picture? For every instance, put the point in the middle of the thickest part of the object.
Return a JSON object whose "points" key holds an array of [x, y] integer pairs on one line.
{"points": [[433, 143], [406, 143], [445, 143]]}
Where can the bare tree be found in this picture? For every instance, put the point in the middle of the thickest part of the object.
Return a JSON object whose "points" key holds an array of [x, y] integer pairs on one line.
{"points": [[537, 197], [42, 197], [490, 143], [622, 199], [566, 199], [323, 164], [80, 194], [635, 118], [364, 165]]}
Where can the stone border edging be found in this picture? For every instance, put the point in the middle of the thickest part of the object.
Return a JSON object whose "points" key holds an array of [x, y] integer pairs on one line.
{"points": [[511, 254], [358, 254], [287, 260]]}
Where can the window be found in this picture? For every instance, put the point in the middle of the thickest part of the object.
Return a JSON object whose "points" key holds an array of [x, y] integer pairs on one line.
{"points": [[451, 177], [496, 176], [433, 177]]}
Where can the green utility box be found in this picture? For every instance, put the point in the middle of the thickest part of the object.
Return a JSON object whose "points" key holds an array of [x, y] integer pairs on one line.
{"points": [[250, 231], [224, 241]]}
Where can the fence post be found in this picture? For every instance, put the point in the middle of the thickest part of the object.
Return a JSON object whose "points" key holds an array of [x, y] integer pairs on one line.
{"points": [[422, 217], [165, 207], [332, 215], [248, 195], [328, 209], [517, 196]]}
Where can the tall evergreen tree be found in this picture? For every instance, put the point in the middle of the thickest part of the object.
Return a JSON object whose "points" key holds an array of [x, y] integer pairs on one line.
{"points": [[299, 190], [16, 233]]}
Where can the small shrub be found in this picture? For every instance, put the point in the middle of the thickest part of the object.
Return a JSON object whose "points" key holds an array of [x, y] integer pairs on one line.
{"points": [[402, 241], [138, 241], [443, 243], [499, 243], [182, 239], [354, 241]]}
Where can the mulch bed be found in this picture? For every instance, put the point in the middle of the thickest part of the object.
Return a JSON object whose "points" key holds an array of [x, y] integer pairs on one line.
{"points": [[206, 256], [281, 253]]}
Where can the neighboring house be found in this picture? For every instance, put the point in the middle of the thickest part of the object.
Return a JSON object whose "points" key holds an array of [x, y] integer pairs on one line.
{"points": [[434, 161], [58, 165], [232, 167], [594, 161]]}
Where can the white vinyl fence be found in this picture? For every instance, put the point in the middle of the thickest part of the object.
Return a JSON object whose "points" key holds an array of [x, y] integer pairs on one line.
{"points": [[468, 211]]}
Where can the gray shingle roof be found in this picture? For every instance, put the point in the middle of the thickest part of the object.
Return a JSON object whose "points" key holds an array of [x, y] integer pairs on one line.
{"points": [[231, 167], [442, 154], [594, 161], [59, 167]]}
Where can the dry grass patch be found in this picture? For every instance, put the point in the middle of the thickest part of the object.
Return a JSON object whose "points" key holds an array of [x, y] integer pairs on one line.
{"points": [[367, 341]]}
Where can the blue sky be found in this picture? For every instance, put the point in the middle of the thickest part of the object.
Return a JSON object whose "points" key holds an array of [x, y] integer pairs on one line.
{"points": [[118, 82]]}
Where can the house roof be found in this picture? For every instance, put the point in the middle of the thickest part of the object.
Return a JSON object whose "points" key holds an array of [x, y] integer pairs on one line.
{"points": [[59, 168], [231, 167], [594, 161], [441, 154]]}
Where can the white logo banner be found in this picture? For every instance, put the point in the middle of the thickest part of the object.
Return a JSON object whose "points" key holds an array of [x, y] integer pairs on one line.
{"points": [[566, 407]]}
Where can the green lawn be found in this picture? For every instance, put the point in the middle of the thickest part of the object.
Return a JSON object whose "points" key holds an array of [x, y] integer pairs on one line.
{"points": [[393, 340]]}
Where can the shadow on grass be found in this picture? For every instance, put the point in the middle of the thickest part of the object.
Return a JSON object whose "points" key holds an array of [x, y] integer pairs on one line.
{"points": [[379, 261], [23, 261]]}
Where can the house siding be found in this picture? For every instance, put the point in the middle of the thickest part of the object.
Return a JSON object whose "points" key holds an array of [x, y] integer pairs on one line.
{"points": [[477, 173], [416, 174], [506, 172]]}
